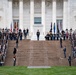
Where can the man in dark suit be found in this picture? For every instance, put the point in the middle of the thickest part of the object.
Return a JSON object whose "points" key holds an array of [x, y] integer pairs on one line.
{"points": [[14, 60], [27, 30], [61, 42], [17, 42], [64, 50], [38, 34], [14, 51], [69, 60]]}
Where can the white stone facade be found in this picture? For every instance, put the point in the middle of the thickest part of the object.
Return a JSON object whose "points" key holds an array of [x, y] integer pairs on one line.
{"points": [[24, 12]]}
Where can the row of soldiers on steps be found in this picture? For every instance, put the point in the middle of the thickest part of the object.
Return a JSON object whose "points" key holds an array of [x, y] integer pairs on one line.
{"points": [[50, 36], [12, 35]]}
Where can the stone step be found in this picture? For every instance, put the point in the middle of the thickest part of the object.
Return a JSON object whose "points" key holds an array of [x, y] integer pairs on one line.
{"points": [[39, 53], [39, 67]]}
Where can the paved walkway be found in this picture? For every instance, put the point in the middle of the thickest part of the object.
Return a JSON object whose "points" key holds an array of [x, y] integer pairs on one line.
{"points": [[38, 67]]}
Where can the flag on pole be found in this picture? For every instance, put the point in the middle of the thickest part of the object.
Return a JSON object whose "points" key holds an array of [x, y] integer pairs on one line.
{"points": [[11, 27], [57, 28], [17, 27], [60, 25], [54, 28], [51, 26]]}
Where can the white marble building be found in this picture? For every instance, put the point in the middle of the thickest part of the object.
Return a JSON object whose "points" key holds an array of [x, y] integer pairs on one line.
{"points": [[38, 14]]}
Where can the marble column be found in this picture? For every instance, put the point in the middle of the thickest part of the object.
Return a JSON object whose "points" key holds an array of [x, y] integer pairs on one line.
{"points": [[31, 16], [4, 15], [65, 15], [54, 11], [21, 14], [10, 14], [53, 14], [43, 15]]}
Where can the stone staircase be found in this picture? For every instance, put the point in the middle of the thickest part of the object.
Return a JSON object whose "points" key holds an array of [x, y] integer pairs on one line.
{"points": [[9, 56], [38, 53], [74, 62]]}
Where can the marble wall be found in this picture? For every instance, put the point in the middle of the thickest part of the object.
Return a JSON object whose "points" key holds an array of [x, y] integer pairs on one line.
{"points": [[4, 16], [72, 14], [15, 10], [59, 12], [48, 16], [3, 13], [26, 14]]}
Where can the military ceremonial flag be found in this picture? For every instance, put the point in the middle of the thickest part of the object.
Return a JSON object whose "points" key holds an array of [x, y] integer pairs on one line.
{"points": [[51, 27], [57, 28], [54, 28], [17, 27]]}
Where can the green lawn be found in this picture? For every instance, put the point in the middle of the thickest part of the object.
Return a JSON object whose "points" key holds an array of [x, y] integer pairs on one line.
{"points": [[26, 71]]}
